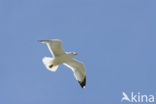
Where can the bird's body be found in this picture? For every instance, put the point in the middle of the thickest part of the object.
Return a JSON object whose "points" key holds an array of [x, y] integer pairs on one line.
{"points": [[63, 58], [66, 58]]}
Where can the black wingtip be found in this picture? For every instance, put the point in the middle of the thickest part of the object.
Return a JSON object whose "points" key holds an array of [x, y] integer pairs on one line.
{"points": [[39, 41], [43, 41], [83, 83]]}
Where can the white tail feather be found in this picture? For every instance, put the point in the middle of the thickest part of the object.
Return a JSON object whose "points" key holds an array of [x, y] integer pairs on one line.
{"points": [[48, 62]]}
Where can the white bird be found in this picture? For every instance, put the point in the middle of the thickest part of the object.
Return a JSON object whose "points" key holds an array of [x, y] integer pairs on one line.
{"points": [[66, 58]]}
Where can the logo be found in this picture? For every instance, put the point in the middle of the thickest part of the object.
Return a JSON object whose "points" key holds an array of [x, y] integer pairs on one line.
{"points": [[137, 97]]}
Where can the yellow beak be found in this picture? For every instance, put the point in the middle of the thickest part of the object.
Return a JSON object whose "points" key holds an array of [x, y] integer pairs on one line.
{"points": [[75, 53]]}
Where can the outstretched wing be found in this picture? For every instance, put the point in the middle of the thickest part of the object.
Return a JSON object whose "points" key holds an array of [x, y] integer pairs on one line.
{"points": [[79, 71], [55, 47]]}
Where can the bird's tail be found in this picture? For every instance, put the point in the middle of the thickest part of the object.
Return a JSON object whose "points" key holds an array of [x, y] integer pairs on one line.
{"points": [[48, 62]]}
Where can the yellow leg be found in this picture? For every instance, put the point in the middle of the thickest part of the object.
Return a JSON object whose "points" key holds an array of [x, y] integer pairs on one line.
{"points": [[50, 66]]}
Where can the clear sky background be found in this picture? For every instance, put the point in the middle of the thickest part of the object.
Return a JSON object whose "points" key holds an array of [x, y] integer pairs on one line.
{"points": [[115, 39]]}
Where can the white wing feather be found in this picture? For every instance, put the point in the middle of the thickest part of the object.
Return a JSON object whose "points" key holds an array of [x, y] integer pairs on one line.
{"points": [[78, 69], [55, 47]]}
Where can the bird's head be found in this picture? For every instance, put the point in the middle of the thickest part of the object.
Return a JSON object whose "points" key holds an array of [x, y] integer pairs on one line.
{"points": [[72, 53]]}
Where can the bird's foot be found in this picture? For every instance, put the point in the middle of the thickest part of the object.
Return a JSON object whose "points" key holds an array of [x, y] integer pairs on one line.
{"points": [[50, 66]]}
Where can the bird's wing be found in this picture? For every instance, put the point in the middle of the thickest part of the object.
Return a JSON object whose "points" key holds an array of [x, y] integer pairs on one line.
{"points": [[79, 71], [55, 47]]}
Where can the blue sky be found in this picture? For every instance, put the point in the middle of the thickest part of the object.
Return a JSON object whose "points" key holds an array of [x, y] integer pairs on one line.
{"points": [[115, 39]]}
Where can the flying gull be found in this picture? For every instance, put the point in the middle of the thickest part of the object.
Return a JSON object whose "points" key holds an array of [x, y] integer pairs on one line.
{"points": [[66, 58]]}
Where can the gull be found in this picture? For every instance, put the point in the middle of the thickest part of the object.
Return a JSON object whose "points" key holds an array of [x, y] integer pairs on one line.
{"points": [[66, 58]]}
